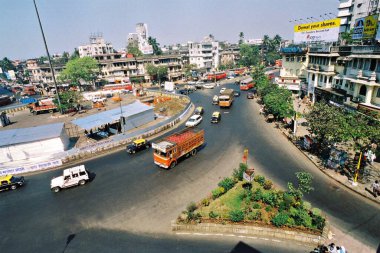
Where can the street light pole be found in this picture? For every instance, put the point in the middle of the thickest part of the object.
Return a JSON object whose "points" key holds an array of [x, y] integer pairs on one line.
{"points": [[48, 55]]}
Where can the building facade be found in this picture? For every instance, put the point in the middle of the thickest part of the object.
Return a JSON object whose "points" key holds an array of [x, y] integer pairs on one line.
{"points": [[40, 73], [205, 55], [345, 76], [230, 55], [97, 46], [293, 71], [140, 39], [115, 66]]}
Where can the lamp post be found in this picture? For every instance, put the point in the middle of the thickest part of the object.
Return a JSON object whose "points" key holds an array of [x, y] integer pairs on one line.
{"points": [[48, 55]]}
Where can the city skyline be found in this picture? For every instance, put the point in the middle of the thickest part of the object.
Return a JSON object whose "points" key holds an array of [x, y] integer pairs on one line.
{"points": [[170, 22]]}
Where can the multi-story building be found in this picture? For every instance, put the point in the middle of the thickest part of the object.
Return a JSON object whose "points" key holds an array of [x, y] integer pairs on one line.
{"points": [[116, 67], [230, 55], [97, 46], [205, 55], [140, 39], [345, 76], [350, 10], [40, 72], [293, 71]]}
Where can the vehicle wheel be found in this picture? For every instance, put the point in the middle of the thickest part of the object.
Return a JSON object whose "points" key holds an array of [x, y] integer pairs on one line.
{"points": [[14, 187], [193, 152], [56, 189], [51, 111], [134, 151], [35, 113], [173, 165], [147, 146], [82, 182]]}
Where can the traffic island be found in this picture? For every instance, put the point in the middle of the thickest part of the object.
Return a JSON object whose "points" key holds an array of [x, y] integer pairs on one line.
{"points": [[248, 205]]}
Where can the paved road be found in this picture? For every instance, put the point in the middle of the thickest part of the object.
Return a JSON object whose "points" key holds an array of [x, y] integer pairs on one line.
{"points": [[130, 203]]}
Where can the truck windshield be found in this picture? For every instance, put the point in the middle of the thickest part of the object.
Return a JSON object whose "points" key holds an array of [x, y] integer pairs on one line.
{"points": [[160, 153]]}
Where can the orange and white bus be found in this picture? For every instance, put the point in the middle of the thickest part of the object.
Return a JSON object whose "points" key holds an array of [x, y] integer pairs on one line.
{"points": [[118, 86], [246, 84]]}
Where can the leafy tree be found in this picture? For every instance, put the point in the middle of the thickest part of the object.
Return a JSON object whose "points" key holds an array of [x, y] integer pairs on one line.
{"points": [[7, 65], [346, 37], [187, 68], [75, 54], [304, 183], [249, 55], [241, 38], [77, 69], [156, 46], [132, 49], [69, 100], [279, 102], [42, 59], [157, 72]]}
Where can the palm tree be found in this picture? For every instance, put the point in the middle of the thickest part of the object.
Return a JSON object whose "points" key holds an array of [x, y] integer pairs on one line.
{"points": [[241, 38], [155, 45]]}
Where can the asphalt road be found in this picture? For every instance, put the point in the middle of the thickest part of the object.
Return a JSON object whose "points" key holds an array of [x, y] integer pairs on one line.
{"points": [[130, 203]]}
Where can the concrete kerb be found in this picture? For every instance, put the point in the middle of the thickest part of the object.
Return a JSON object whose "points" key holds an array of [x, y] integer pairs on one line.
{"points": [[327, 174], [253, 230], [17, 109]]}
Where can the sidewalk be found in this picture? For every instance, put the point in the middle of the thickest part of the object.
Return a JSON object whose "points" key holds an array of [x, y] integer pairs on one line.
{"points": [[363, 189]]}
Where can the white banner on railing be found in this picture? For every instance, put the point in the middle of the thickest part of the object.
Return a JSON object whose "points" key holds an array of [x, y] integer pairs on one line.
{"points": [[31, 168]]}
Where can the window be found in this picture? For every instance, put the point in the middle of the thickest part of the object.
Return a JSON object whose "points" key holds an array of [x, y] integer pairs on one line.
{"points": [[330, 79], [355, 64], [351, 86], [75, 175], [82, 173], [372, 66], [378, 93], [360, 64], [366, 64], [325, 79], [287, 59]]}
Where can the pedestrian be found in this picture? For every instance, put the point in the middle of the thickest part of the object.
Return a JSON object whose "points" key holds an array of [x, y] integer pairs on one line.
{"points": [[376, 188], [341, 249], [332, 248]]}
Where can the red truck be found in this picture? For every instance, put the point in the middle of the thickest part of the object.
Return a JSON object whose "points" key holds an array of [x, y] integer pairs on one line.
{"points": [[168, 151], [45, 105]]}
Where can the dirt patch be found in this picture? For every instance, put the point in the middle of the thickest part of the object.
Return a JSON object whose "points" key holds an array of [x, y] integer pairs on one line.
{"points": [[167, 106]]}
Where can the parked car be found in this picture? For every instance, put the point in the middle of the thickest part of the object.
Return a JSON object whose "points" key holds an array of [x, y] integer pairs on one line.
{"points": [[183, 92], [209, 85], [138, 145], [194, 120], [215, 118], [11, 182], [199, 110], [215, 100], [199, 85], [222, 90], [99, 99], [70, 177], [237, 93], [250, 95]]}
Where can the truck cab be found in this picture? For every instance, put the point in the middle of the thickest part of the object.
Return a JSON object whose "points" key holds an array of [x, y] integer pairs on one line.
{"points": [[70, 177]]}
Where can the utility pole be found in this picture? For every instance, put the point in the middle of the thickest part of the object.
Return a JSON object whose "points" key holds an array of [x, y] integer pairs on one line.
{"points": [[48, 55]]}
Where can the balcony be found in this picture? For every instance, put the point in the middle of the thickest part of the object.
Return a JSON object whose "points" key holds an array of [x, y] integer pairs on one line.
{"points": [[342, 50], [365, 50], [321, 68]]}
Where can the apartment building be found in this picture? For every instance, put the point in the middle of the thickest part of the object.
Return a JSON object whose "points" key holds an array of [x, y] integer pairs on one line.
{"points": [[345, 76], [97, 46], [140, 39], [293, 71], [205, 54], [230, 55], [40, 73], [115, 66]]}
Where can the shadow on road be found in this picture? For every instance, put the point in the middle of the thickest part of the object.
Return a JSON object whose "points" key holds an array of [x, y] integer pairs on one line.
{"points": [[242, 247], [69, 239]]}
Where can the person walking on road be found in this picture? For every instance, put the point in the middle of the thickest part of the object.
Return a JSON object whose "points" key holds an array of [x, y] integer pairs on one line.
{"points": [[332, 248], [376, 188], [341, 249]]}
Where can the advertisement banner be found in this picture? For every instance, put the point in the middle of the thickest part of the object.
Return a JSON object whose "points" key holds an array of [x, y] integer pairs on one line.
{"points": [[358, 29], [322, 31], [370, 25]]}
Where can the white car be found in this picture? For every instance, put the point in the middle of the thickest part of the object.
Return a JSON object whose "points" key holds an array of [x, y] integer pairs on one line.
{"points": [[194, 120], [222, 90], [99, 99], [71, 177], [209, 85]]}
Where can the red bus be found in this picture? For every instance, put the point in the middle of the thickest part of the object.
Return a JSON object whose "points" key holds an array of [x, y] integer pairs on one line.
{"points": [[246, 84], [118, 86], [239, 71], [216, 76]]}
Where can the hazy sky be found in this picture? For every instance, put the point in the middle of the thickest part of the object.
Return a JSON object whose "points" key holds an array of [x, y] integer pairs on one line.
{"points": [[68, 23]]}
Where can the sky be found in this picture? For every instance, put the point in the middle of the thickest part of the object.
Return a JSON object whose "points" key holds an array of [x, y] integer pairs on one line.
{"points": [[68, 23]]}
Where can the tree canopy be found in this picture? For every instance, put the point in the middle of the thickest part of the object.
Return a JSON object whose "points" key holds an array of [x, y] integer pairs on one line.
{"points": [[249, 55], [155, 45], [158, 73], [132, 49], [331, 124], [6, 65], [77, 69], [69, 100]]}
